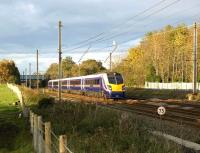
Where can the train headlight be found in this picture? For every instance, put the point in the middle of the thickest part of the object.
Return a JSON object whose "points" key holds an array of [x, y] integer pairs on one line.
{"points": [[123, 87], [109, 87]]}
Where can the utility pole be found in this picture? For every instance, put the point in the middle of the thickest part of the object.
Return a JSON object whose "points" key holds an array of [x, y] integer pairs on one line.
{"points": [[26, 78], [37, 70], [195, 60], [23, 76], [115, 47], [29, 75], [110, 61], [110, 55], [79, 69], [60, 59]]}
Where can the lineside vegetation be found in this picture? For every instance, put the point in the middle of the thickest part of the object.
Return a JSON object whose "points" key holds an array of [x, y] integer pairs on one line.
{"points": [[162, 56], [91, 128]]}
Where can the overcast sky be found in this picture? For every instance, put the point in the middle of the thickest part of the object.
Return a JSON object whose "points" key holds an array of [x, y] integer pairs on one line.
{"points": [[27, 25]]}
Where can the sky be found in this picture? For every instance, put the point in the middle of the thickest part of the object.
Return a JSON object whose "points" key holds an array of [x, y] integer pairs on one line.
{"points": [[27, 25]]}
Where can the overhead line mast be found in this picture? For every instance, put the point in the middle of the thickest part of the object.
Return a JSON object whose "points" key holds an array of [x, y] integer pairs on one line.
{"points": [[195, 60], [37, 69], [60, 59]]}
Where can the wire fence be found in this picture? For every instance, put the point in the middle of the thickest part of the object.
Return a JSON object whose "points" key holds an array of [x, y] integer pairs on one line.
{"points": [[44, 139]]}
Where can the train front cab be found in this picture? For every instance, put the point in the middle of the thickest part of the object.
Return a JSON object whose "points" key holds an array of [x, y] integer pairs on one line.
{"points": [[116, 86]]}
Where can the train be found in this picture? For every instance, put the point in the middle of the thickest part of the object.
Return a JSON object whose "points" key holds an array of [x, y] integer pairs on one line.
{"points": [[109, 85]]}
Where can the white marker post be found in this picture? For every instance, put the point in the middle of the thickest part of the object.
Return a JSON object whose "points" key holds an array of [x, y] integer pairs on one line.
{"points": [[161, 111]]}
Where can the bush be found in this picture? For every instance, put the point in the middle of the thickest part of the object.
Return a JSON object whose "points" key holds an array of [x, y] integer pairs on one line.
{"points": [[45, 102]]}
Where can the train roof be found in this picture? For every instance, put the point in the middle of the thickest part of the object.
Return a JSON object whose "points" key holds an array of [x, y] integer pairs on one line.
{"points": [[86, 76], [80, 77]]}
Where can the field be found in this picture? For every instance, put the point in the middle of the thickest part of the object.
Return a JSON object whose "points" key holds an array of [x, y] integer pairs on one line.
{"points": [[14, 131]]}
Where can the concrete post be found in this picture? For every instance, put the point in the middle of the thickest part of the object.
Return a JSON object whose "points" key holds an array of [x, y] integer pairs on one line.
{"points": [[62, 144], [40, 135], [47, 137], [35, 133]]}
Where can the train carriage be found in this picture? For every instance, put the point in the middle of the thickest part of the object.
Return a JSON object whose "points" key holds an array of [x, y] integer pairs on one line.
{"points": [[110, 85]]}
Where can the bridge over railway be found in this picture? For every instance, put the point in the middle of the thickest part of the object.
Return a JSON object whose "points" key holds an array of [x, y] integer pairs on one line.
{"points": [[23, 78]]}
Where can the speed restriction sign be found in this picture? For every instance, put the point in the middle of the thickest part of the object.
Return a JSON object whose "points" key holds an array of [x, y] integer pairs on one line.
{"points": [[161, 110]]}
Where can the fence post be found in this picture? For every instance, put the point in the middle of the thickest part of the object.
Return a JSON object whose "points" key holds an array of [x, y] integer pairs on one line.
{"points": [[40, 135], [62, 144], [47, 137], [30, 114], [35, 132], [31, 121]]}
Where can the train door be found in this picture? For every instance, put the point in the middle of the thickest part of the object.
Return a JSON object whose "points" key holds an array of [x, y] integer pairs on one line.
{"points": [[83, 84], [68, 84]]}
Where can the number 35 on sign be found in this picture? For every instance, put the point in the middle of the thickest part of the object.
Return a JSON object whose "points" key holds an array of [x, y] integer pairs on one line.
{"points": [[161, 110]]}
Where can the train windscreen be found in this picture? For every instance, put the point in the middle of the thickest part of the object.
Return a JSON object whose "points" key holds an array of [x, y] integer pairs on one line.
{"points": [[115, 78]]}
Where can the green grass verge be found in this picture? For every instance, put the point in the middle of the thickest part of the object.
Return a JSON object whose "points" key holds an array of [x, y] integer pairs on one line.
{"points": [[14, 131]]}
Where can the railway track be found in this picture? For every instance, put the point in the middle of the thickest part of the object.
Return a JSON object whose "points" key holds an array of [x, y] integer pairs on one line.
{"points": [[179, 112], [185, 118]]}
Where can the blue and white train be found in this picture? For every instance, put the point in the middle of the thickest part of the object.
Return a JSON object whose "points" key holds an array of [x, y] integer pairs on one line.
{"points": [[109, 85]]}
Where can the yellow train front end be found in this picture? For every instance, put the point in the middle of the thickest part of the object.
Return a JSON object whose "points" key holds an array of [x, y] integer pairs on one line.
{"points": [[115, 85]]}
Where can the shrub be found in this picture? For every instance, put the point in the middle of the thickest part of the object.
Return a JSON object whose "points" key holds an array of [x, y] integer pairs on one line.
{"points": [[45, 102]]}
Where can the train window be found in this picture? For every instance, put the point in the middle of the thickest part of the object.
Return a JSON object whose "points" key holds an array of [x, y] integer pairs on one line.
{"points": [[92, 82], [119, 78], [75, 82], [115, 78], [64, 82], [55, 83], [97, 81]]}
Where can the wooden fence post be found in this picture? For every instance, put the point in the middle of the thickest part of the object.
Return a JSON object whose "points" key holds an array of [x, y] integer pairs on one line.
{"points": [[40, 135], [35, 132], [47, 137], [62, 144], [31, 121], [30, 115]]}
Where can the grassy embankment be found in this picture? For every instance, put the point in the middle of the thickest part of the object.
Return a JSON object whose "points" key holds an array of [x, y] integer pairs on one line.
{"points": [[14, 131], [93, 129]]}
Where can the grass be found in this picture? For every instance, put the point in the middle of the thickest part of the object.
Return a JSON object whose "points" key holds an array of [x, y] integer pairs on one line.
{"points": [[14, 131], [140, 93], [94, 129], [91, 128]]}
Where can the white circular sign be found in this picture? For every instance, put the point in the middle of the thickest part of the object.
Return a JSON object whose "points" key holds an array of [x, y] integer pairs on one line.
{"points": [[161, 110]]}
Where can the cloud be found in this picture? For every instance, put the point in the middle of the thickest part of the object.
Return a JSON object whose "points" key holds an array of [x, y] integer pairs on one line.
{"points": [[30, 25]]}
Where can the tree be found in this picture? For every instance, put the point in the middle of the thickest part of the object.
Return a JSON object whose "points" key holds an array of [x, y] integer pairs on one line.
{"points": [[67, 65], [91, 66], [164, 56], [9, 72], [52, 71], [151, 74]]}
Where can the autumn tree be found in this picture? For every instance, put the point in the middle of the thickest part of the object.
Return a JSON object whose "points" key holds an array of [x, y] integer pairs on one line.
{"points": [[91, 66], [67, 66], [164, 56], [71, 69], [9, 72]]}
